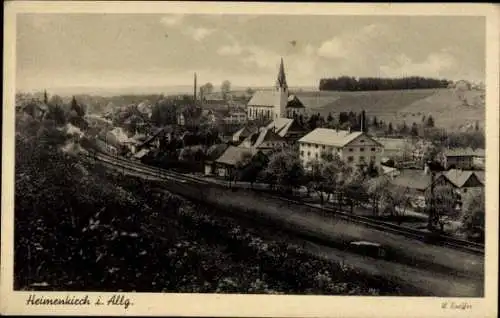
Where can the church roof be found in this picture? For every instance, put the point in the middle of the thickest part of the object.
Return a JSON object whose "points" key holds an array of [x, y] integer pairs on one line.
{"points": [[268, 98], [281, 81], [294, 102]]}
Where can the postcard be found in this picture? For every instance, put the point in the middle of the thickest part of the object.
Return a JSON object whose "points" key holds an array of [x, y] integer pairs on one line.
{"points": [[250, 159]]}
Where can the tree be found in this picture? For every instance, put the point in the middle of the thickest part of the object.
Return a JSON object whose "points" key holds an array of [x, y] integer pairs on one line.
{"points": [[472, 217], [403, 128], [375, 122], [285, 170], [390, 130], [208, 88], [414, 130], [250, 91], [329, 118], [225, 88], [45, 97], [378, 190], [430, 122]]}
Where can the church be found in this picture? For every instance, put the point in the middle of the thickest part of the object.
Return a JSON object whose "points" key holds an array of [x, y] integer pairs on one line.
{"points": [[275, 103]]}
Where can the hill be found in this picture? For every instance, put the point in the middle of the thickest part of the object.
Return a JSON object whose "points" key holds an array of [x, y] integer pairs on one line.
{"points": [[446, 106]]}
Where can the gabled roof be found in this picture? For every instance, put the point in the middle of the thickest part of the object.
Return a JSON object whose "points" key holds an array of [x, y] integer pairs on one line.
{"points": [[215, 151], [233, 155], [459, 152], [279, 124], [330, 137], [243, 133], [261, 138], [268, 98], [294, 102], [460, 177], [481, 176], [413, 179]]}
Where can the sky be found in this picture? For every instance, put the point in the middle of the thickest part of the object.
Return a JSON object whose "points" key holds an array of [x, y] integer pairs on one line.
{"points": [[115, 50]]}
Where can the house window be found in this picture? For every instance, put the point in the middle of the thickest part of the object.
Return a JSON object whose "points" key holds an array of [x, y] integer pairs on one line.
{"points": [[361, 159], [350, 149], [316, 146], [322, 147], [362, 140], [373, 158], [302, 153], [350, 159], [316, 155], [308, 153], [373, 149], [361, 149]]}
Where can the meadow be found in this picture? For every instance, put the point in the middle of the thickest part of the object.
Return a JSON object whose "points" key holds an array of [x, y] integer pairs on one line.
{"points": [[445, 105]]}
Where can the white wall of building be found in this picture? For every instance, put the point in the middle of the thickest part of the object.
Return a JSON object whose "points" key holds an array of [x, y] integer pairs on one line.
{"points": [[361, 150]]}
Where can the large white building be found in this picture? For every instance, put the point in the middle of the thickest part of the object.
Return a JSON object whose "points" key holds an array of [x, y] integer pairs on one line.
{"points": [[275, 103], [355, 148]]}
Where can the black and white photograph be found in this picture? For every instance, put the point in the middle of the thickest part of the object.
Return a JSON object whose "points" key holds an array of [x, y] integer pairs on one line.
{"points": [[249, 154]]}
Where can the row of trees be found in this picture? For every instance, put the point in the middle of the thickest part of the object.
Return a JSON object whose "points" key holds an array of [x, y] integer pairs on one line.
{"points": [[346, 83], [332, 180]]}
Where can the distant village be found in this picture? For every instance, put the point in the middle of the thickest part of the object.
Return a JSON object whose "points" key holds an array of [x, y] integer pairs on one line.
{"points": [[220, 134]]}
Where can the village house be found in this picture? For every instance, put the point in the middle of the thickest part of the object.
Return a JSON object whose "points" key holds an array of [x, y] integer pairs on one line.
{"points": [[294, 107], [275, 103], [288, 128], [227, 164], [355, 148], [416, 184], [395, 148], [235, 118], [213, 153], [242, 134], [464, 181], [263, 139], [461, 158]]}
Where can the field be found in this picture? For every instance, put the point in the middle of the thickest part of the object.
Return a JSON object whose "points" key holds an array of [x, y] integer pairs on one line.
{"points": [[444, 105]]}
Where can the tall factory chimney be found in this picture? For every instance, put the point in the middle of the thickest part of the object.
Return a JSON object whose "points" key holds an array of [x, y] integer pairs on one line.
{"points": [[195, 88], [363, 121]]}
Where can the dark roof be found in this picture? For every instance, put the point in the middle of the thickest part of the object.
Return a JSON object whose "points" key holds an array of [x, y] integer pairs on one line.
{"points": [[232, 155], [459, 178], [215, 151], [294, 102], [260, 138], [413, 179], [244, 132]]}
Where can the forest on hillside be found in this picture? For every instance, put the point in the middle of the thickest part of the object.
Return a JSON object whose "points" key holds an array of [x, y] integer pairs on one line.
{"points": [[347, 83]]}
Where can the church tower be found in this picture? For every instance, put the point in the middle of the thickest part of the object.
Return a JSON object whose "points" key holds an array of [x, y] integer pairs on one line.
{"points": [[282, 90]]}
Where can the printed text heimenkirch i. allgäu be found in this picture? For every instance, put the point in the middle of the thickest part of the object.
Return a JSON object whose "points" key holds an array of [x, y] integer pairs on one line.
{"points": [[72, 301]]}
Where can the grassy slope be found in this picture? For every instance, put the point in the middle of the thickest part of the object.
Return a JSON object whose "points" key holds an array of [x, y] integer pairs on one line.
{"points": [[396, 106]]}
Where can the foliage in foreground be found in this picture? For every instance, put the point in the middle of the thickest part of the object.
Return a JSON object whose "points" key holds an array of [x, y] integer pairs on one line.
{"points": [[77, 230]]}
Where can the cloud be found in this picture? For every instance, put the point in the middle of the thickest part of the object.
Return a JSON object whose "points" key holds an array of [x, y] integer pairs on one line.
{"points": [[199, 33], [230, 50], [349, 43], [435, 65], [333, 48], [172, 20]]}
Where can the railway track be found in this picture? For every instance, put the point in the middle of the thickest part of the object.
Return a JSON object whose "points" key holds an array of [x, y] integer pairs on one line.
{"points": [[172, 176]]}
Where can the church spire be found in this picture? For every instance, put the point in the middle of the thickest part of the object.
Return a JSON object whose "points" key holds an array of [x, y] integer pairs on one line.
{"points": [[281, 81]]}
